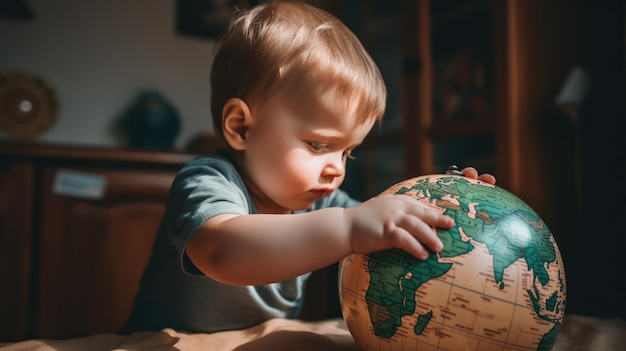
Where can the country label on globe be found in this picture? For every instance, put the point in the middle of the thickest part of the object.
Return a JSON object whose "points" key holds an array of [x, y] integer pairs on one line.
{"points": [[499, 283]]}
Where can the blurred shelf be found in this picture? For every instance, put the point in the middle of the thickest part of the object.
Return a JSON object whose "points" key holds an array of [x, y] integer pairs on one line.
{"points": [[451, 128]]}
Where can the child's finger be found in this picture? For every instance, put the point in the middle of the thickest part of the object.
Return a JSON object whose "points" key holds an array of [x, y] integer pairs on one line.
{"points": [[421, 232], [407, 242], [470, 172], [431, 217], [487, 178]]}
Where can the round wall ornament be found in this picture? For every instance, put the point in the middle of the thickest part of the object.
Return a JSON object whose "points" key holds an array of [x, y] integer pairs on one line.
{"points": [[29, 106]]}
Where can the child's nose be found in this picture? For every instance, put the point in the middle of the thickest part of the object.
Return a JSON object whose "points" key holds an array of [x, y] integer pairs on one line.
{"points": [[335, 166]]}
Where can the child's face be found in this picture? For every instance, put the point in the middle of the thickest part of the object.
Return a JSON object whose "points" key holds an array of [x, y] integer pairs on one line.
{"points": [[297, 146]]}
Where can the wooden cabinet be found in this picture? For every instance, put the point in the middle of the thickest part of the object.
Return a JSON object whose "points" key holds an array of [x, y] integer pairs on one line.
{"points": [[483, 95], [93, 252], [474, 83], [16, 208], [71, 257]]}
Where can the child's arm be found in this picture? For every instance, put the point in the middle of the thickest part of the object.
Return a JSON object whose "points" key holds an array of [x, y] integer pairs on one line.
{"points": [[261, 248]]}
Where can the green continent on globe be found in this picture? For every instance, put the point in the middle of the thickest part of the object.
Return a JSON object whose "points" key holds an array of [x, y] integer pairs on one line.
{"points": [[422, 322], [507, 226], [394, 278]]}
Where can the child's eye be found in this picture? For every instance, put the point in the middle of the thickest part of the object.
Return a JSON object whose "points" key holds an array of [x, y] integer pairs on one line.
{"points": [[319, 147]]}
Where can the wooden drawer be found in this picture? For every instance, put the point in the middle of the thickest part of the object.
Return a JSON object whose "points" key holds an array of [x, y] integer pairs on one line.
{"points": [[94, 250]]}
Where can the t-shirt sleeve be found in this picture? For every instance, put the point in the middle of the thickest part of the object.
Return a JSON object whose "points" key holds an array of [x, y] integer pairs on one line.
{"points": [[203, 189]]}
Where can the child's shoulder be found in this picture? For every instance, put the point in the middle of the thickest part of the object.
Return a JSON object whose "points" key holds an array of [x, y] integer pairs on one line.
{"points": [[209, 176], [210, 164], [212, 169]]}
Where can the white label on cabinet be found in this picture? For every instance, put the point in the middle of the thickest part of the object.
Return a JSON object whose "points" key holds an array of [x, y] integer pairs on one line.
{"points": [[79, 184]]}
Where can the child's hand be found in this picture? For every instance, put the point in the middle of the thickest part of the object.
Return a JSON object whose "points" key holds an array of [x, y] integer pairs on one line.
{"points": [[399, 221], [471, 172]]}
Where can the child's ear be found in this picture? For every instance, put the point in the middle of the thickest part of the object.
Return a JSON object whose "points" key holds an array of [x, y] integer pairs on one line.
{"points": [[236, 119]]}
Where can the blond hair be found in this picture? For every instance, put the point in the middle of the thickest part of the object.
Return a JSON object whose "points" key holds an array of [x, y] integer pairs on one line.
{"points": [[278, 45]]}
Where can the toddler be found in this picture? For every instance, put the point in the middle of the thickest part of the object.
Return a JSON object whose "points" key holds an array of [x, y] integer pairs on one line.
{"points": [[293, 94]]}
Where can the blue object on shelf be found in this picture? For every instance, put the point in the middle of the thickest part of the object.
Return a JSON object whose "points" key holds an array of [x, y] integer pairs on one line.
{"points": [[152, 122]]}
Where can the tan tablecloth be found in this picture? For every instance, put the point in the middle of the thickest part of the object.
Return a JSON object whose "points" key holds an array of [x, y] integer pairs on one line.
{"points": [[578, 333]]}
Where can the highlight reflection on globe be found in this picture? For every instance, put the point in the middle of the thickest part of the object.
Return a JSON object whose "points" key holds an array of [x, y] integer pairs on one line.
{"points": [[499, 283]]}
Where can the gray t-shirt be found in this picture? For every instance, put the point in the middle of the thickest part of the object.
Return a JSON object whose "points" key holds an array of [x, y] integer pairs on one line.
{"points": [[175, 294]]}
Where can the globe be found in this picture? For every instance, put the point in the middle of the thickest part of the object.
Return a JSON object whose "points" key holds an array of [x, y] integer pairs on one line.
{"points": [[498, 284]]}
